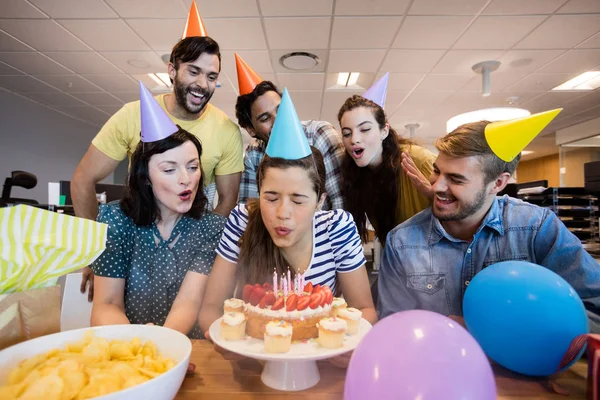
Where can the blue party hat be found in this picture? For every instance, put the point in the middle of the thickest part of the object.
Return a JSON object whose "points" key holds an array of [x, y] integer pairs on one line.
{"points": [[156, 124], [378, 91], [287, 139]]}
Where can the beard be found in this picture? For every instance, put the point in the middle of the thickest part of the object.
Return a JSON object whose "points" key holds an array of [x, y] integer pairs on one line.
{"points": [[181, 92], [464, 210]]}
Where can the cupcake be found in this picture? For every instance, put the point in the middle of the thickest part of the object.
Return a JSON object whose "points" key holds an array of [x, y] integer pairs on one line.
{"points": [[278, 337], [233, 305], [233, 326], [352, 317], [331, 332], [337, 304]]}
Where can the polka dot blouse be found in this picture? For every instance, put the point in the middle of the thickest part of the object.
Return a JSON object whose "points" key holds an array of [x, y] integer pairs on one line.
{"points": [[154, 268]]}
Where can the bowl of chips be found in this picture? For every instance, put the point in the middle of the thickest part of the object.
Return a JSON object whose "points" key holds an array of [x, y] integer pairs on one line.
{"points": [[112, 362]]}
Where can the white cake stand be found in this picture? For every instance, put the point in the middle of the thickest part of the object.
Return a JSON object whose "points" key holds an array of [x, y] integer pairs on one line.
{"points": [[291, 371]]}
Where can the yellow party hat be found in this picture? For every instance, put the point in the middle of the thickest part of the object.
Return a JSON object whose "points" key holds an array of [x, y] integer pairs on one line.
{"points": [[508, 138]]}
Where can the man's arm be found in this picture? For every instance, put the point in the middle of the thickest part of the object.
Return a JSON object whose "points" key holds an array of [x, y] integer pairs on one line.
{"points": [[248, 188], [93, 167], [228, 187], [329, 142], [391, 284], [559, 250]]}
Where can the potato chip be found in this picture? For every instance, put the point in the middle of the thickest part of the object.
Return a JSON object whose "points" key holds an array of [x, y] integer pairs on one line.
{"points": [[87, 368]]}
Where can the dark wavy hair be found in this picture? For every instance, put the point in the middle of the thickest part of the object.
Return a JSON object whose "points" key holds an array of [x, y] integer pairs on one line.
{"points": [[138, 202], [190, 48], [373, 193], [259, 256], [243, 106]]}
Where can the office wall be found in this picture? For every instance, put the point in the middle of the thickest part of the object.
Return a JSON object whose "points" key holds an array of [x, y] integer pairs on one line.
{"points": [[573, 160], [36, 139], [540, 168]]}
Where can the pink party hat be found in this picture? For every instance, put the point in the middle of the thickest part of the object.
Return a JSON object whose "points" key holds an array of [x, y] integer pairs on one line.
{"points": [[378, 91], [156, 124]]}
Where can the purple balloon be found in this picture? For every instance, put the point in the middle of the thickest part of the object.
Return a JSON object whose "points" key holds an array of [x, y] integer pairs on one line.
{"points": [[419, 355]]}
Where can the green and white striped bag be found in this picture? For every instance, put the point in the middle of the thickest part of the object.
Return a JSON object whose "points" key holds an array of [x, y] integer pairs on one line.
{"points": [[38, 246]]}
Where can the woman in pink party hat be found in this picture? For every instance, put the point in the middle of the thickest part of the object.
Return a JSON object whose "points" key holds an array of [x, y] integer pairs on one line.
{"points": [[285, 231], [380, 166], [161, 240]]}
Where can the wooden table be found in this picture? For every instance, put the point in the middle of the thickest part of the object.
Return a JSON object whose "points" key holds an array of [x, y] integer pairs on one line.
{"points": [[218, 378]]}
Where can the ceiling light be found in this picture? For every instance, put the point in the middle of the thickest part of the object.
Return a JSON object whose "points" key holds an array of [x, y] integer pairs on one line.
{"points": [[161, 78], [486, 114], [299, 60], [347, 78], [589, 80]]}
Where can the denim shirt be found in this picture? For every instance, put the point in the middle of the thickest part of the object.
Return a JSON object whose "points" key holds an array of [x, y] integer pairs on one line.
{"points": [[423, 267]]}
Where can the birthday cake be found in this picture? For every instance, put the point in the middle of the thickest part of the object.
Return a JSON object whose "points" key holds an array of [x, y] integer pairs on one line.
{"points": [[303, 306]]}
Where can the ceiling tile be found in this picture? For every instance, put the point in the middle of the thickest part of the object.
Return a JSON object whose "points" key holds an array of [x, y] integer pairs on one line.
{"points": [[302, 82], [69, 83], [540, 82], [259, 60], [99, 99], [580, 6], [25, 84], [105, 34], [591, 43], [91, 114], [75, 9], [586, 101], [497, 32], [437, 32], [149, 9], [136, 62], [520, 62], [372, 7], [411, 61], [498, 83], [84, 62], [110, 109], [237, 33], [34, 63], [6, 69], [332, 102], [288, 8], [9, 43], [401, 82], [418, 102], [364, 32], [575, 61], [550, 100], [446, 7], [461, 61], [42, 34], [160, 34], [520, 7], [364, 81], [224, 8], [562, 32], [55, 99], [297, 33], [115, 83], [443, 82], [355, 60], [307, 103], [20, 9], [128, 97]]}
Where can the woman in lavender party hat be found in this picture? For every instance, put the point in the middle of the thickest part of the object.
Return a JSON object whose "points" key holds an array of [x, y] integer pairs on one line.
{"points": [[385, 178], [161, 240], [285, 231]]}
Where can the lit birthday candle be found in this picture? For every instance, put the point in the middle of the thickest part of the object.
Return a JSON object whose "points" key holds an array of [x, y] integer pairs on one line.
{"points": [[285, 288], [289, 278], [275, 282]]}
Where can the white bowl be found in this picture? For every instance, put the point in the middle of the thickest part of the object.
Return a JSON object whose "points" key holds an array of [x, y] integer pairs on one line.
{"points": [[171, 344]]}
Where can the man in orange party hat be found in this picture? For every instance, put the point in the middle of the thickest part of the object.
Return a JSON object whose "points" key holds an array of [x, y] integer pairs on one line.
{"points": [[194, 69], [430, 259], [256, 109]]}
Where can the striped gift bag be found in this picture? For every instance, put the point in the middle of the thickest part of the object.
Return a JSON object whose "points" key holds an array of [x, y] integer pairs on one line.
{"points": [[38, 246]]}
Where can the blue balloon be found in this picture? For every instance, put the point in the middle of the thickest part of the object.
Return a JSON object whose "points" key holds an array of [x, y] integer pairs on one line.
{"points": [[524, 316]]}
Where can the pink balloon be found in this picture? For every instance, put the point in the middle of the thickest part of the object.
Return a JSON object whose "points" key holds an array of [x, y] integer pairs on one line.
{"points": [[419, 355]]}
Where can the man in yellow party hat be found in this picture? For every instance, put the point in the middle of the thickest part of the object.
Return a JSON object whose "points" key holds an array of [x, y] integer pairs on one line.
{"points": [[430, 259], [256, 109], [194, 68]]}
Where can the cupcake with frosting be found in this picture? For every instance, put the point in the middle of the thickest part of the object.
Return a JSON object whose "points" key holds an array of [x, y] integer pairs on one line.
{"points": [[331, 332], [352, 317], [338, 304], [278, 337], [233, 305], [233, 326]]}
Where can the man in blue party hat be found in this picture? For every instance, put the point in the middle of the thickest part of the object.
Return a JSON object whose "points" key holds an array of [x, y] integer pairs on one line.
{"points": [[256, 109], [430, 259]]}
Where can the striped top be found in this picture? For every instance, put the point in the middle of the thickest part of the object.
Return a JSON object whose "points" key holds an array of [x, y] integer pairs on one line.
{"points": [[336, 244]]}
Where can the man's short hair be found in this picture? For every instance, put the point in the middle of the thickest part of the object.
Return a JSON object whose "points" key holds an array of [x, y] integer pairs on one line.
{"points": [[468, 140], [190, 48], [243, 106]]}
